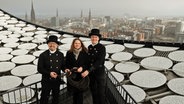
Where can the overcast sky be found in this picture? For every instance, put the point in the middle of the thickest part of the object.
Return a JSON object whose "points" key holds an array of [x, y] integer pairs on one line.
{"points": [[98, 7]]}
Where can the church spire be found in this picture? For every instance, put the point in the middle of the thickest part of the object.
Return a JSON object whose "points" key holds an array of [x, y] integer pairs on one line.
{"points": [[26, 17], [89, 18], [81, 14], [33, 19], [57, 18], [57, 13]]}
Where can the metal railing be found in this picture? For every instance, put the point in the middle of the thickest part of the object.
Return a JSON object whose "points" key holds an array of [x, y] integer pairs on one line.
{"points": [[29, 94], [22, 95], [116, 93]]}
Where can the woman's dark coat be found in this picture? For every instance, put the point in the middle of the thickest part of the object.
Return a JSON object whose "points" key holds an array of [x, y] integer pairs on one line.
{"points": [[71, 62]]}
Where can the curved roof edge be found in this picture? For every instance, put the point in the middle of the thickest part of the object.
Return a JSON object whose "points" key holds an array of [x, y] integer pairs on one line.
{"points": [[36, 25]]}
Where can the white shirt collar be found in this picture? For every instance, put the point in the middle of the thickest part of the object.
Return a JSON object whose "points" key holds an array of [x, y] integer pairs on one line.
{"points": [[94, 44], [52, 51]]}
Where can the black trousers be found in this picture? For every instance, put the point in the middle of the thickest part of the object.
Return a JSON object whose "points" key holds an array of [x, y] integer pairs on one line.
{"points": [[97, 86], [78, 97], [48, 86]]}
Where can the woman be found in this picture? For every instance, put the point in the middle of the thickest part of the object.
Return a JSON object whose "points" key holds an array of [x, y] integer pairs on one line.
{"points": [[76, 65]]}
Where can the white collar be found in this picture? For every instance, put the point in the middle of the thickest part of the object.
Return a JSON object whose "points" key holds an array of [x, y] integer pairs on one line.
{"points": [[52, 51], [94, 44]]}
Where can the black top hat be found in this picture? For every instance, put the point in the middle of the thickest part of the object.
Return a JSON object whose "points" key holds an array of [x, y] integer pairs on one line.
{"points": [[95, 32], [53, 38]]}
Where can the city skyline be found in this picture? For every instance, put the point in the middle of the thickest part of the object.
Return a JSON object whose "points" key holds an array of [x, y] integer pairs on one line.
{"points": [[114, 8]]}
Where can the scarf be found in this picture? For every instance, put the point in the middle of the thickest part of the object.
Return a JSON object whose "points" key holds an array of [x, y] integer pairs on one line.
{"points": [[76, 52]]}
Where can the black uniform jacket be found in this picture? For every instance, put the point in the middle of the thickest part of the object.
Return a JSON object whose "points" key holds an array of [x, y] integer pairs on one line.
{"points": [[97, 58], [82, 60], [71, 62], [50, 62]]}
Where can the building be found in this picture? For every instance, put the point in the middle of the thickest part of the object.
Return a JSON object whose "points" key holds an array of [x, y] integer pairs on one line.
{"points": [[55, 20], [179, 37], [159, 29], [89, 19], [26, 17], [33, 18]]}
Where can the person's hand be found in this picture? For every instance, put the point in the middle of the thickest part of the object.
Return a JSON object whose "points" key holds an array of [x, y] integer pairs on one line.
{"points": [[68, 71], [85, 73], [53, 74], [79, 69]]}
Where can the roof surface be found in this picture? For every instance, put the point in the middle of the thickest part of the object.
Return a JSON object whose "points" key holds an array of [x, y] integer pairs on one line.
{"points": [[151, 69]]}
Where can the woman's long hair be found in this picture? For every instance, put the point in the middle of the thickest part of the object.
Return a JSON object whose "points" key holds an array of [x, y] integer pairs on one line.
{"points": [[82, 45]]}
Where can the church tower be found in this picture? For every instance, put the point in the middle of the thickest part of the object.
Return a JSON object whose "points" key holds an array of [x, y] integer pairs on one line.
{"points": [[57, 18], [89, 18], [26, 17], [81, 14], [33, 19]]}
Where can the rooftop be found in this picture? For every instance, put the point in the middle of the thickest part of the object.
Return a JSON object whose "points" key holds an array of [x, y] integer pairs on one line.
{"points": [[151, 72]]}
